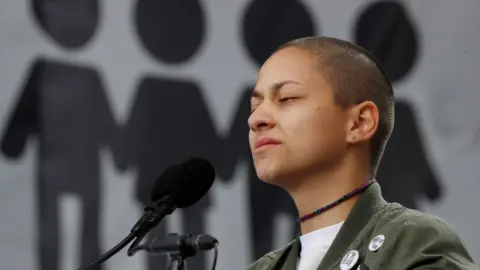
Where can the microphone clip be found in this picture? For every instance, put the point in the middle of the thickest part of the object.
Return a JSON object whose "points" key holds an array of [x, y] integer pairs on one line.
{"points": [[184, 249]]}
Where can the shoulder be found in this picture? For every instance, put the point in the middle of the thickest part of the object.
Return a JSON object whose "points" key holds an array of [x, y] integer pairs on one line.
{"points": [[266, 260], [406, 222], [413, 238], [272, 258]]}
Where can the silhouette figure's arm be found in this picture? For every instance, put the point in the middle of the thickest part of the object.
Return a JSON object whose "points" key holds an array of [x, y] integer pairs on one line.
{"points": [[235, 145], [113, 133], [211, 143], [24, 120], [430, 183], [136, 125]]}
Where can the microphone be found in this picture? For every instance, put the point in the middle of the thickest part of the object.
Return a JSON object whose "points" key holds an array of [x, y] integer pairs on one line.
{"points": [[179, 186], [176, 242], [186, 244], [185, 183]]}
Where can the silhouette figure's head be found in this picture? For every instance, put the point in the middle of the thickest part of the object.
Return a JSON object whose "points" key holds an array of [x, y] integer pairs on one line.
{"points": [[386, 30], [70, 23], [171, 31], [269, 23], [318, 103]]}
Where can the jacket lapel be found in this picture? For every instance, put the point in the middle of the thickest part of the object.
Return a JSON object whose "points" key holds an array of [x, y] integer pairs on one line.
{"points": [[359, 217], [283, 256], [292, 256], [357, 220]]}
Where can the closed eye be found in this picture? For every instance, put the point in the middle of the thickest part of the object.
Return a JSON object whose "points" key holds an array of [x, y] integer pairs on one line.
{"points": [[285, 99]]}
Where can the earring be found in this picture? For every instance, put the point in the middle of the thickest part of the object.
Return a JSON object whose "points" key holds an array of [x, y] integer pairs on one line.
{"points": [[353, 137]]}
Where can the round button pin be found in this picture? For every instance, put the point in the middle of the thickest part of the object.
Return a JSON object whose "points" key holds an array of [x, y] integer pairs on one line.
{"points": [[349, 260], [376, 242]]}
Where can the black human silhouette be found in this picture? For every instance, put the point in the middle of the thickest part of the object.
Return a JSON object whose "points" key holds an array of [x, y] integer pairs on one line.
{"points": [[405, 173], [266, 25], [66, 110], [169, 122]]}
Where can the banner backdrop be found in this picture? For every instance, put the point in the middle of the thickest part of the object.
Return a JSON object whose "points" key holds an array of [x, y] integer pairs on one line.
{"points": [[99, 97]]}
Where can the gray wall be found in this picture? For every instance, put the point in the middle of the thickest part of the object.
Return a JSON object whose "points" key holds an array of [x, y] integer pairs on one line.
{"points": [[442, 88]]}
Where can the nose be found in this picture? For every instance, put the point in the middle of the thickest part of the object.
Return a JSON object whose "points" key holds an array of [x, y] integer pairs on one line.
{"points": [[260, 120]]}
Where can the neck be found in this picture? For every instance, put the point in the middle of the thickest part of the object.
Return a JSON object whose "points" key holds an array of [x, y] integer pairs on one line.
{"points": [[324, 187]]}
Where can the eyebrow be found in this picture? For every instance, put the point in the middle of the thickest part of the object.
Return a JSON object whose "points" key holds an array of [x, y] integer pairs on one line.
{"points": [[274, 87]]}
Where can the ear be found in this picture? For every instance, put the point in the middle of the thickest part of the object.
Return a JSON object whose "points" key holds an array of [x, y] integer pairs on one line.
{"points": [[363, 122]]}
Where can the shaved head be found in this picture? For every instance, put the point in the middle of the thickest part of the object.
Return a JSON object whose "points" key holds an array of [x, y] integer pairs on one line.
{"points": [[355, 76]]}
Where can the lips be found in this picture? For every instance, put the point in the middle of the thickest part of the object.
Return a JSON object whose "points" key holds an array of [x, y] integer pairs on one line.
{"points": [[265, 142]]}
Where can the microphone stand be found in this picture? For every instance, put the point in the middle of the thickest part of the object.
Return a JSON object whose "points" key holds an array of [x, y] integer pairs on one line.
{"points": [[152, 216], [177, 261], [177, 257]]}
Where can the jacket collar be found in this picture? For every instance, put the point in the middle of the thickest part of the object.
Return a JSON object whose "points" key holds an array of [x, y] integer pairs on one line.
{"points": [[369, 202]]}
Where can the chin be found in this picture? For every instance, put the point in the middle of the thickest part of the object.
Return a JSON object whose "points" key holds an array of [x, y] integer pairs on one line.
{"points": [[267, 178], [275, 167], [265, 169], [270, 174]]}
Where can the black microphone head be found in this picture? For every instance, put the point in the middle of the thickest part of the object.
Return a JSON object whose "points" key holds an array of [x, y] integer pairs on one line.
{"points": [[186, 183], [205, 242]]}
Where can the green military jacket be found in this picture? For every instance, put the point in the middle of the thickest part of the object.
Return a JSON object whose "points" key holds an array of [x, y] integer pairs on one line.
{"points": [[386, 236]]}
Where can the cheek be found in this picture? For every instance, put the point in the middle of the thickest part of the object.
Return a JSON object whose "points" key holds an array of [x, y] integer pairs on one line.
{"points": [[317, 131]]}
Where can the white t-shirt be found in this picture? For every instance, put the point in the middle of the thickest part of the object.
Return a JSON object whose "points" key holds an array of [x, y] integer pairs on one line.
{"points": [[315, 245]]}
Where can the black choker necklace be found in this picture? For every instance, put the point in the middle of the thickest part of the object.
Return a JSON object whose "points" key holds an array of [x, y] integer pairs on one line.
{"points": [[337, 202]]}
